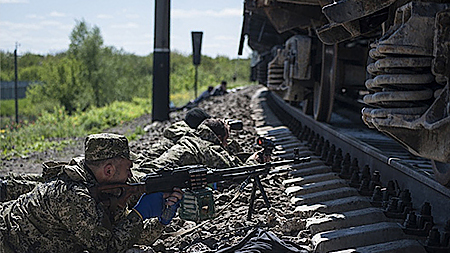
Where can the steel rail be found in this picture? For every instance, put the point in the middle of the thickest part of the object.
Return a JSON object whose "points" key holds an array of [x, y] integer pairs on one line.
{"points": [[422, 188]]}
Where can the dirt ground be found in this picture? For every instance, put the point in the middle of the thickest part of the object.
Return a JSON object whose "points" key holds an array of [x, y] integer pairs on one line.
{"points": [[232, 224]]}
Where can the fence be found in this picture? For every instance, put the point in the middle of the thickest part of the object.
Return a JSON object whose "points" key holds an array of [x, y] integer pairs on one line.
{"points": [[7, 89]]}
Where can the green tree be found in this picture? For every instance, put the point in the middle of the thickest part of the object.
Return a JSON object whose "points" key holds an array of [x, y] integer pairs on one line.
{"points": [[128, 75], [28, 66], [30, 73], [86, 46], [61, 86], [6, 66]]}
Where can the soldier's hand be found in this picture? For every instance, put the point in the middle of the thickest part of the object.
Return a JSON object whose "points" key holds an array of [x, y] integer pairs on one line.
{"points": [[172, 203], [260, 157], [150, 205], [174, 197]]}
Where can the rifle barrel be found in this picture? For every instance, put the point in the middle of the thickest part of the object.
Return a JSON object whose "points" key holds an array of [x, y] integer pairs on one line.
{"points": [[264, 165]]}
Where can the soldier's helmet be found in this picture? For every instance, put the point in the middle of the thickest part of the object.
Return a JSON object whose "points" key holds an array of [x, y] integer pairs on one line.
{"points": [[105, 146]]}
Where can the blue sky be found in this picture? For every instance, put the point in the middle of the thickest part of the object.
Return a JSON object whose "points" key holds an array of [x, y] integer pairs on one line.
{"points": [[44, 26]]}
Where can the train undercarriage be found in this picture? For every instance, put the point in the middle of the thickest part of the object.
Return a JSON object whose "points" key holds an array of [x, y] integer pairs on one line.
{"points": [[390, 58]]}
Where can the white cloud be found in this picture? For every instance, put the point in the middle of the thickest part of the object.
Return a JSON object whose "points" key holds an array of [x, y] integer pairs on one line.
{"points": [[54, 42], [34, 16], [26, 27], [57, 14], [126, 26], [19, 26], [104, 16], [55, 24], [180, 13], [140, 43], [13, 1]]}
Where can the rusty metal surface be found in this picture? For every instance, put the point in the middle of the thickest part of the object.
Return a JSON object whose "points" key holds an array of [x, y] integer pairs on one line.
{"points": [[381, 81], [413, 30], [388, 96], [403, 80], [261, 34], [290, 70], [349, 19], [303, 2], [299, 57], [347, 10], [334, 33], [410, 65], [384, 64], [426, 136], [285, 16], [441, 63]]}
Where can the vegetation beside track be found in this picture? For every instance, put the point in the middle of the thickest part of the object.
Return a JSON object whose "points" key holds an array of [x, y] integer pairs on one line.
{"points": [[92, 87]]}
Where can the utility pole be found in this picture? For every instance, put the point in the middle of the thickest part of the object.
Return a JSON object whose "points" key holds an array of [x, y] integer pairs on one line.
{"points": [[15, 84], [161, 61]]}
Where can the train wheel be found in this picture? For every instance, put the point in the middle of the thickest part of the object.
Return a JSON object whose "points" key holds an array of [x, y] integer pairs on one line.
{"points": [[324, 90], [441, 172]]}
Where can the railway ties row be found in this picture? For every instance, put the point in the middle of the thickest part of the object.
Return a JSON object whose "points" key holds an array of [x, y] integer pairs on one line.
{"points": [[347, 209]]}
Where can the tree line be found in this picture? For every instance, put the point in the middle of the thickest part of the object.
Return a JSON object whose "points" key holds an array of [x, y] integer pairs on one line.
{"points": [[91, 74]]}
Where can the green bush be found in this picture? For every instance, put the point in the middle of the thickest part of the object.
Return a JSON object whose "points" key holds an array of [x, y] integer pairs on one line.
{"points": [[27, 111], [22, 138]]}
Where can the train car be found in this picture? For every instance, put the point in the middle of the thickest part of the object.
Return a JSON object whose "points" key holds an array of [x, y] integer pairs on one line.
{"points": [[388, 57]]}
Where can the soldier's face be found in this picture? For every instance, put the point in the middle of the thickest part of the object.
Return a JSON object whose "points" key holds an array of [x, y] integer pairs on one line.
{"points": [[123, 171]]}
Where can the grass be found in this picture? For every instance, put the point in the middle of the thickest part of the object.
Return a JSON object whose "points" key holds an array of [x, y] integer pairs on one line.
{"points": [[53, 130]]}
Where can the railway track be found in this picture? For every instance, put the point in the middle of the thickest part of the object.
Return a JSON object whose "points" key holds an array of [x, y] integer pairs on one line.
{"points": [[361, 192]]}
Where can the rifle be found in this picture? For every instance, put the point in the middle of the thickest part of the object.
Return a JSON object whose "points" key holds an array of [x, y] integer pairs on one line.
{"points": [[192, 177]]}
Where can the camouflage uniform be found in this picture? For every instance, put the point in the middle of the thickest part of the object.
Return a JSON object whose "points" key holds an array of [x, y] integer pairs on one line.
{"points": [[171, 136], [203, 147], [18, 184], [14, 184], [61, 215]]}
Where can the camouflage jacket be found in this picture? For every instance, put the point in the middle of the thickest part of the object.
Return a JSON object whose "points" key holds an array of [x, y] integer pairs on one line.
{"points": [[61, 216], [203, 147], [177, 130], [171, 136], [18, 184]]}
